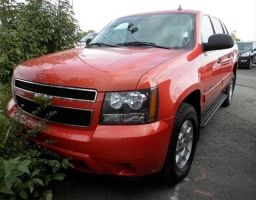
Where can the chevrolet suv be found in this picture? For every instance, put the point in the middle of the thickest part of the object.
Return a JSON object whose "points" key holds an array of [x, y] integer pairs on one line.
{"points": [[132, 102]]}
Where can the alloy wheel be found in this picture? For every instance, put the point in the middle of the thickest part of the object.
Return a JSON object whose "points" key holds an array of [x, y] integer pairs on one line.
{"points": [[184, 144]]}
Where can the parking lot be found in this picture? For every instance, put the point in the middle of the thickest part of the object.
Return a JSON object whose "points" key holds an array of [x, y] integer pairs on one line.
{"points": [[224, 166]]}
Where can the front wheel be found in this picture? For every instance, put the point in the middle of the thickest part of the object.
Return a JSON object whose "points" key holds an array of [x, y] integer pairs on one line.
{"points": [[249, 64], [182, 145]]}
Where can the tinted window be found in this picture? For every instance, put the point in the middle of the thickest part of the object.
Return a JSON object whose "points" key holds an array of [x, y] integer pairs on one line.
{"points": [[217, 25], [206, 29], [244, 45]]}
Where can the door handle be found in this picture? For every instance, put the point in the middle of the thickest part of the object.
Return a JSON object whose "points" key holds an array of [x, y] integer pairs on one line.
{"points": [[220, 61]]}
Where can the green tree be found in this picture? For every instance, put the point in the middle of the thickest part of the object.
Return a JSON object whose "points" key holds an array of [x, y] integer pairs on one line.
{"points": [[35, 28], [233, 35], [29, 30], [84, 33]]}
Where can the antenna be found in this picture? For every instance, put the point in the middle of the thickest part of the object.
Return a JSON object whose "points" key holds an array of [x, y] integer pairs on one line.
{"points": [[180, 8]]}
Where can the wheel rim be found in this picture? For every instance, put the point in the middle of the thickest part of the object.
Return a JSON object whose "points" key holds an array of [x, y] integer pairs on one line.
{"points": [[184, 144], [231, 90]]}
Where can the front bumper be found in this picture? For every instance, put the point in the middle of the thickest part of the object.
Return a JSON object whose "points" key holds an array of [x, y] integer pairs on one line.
{"points": [[122, 150], [244, 61]]}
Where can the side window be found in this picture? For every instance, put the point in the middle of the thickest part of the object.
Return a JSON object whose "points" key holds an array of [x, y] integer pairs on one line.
{"points": [[217, 25], [206, 28], [225, 28]]}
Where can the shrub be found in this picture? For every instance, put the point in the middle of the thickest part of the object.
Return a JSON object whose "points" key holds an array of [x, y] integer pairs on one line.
{"points": [[26, 169], [29, 30]]}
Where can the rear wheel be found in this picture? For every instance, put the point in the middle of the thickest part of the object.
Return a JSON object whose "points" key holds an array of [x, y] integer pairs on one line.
{"points": [[229, 91], [182, 145]]}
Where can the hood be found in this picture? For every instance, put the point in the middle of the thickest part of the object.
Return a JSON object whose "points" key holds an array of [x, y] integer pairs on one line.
{"points": [[103, 69]]}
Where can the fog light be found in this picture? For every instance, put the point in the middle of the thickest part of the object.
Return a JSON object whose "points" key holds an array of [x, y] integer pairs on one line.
{"points": [[124, 118]]}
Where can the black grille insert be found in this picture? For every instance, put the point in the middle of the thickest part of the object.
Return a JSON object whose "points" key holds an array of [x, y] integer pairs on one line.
{"points": [[57, 91], [68, 116]]}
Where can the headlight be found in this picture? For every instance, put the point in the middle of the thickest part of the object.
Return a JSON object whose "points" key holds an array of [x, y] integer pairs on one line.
{"points": [[131, 107], [245, 54]]}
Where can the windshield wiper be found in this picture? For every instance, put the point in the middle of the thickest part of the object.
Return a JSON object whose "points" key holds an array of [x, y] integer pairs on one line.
{"points": [[137, 43], [176, 47], [142, 44], [99, 44]]}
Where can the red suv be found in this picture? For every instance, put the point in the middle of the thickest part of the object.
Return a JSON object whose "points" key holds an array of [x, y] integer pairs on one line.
{"points": [[132, 102]]}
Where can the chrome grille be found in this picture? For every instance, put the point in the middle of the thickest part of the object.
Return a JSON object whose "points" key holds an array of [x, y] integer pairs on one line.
{"points": [[57, 91]]}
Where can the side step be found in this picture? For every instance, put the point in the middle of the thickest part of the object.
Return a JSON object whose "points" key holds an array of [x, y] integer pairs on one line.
{"points": [[208, 113]]}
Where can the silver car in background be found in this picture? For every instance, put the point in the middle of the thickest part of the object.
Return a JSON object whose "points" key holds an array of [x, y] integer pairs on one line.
{"points": [[82, 43]]}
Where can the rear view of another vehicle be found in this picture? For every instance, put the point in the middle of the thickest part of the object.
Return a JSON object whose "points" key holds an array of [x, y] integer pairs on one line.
{"points": [[247, 54]]}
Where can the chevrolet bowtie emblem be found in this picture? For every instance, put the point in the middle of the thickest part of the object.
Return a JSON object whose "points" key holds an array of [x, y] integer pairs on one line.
{"points": [[42, 99]]}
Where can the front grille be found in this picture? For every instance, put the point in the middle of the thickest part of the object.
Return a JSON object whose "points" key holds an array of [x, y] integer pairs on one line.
{"points": [[64, 115], [57, 91]]}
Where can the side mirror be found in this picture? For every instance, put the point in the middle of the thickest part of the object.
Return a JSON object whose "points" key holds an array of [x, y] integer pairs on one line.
{"points": [[88, 41], [218, 42]]}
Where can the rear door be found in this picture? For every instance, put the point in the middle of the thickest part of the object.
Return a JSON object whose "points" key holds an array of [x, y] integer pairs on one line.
{"points": [[226, 59]]}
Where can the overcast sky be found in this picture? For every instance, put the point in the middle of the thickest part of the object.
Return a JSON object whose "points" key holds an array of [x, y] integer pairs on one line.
{"points": [[239, 16]]}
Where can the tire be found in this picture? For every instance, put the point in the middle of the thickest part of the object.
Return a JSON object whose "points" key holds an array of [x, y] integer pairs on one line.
{"points": [[249, 64], [229, 92], [176, 167]]}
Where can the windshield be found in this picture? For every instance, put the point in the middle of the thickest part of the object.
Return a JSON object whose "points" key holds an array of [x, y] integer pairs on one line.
{"points": [[244, 45], [173, 30]]}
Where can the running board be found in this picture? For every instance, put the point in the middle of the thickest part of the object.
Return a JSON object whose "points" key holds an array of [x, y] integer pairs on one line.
{"points": [[208, 113]]}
